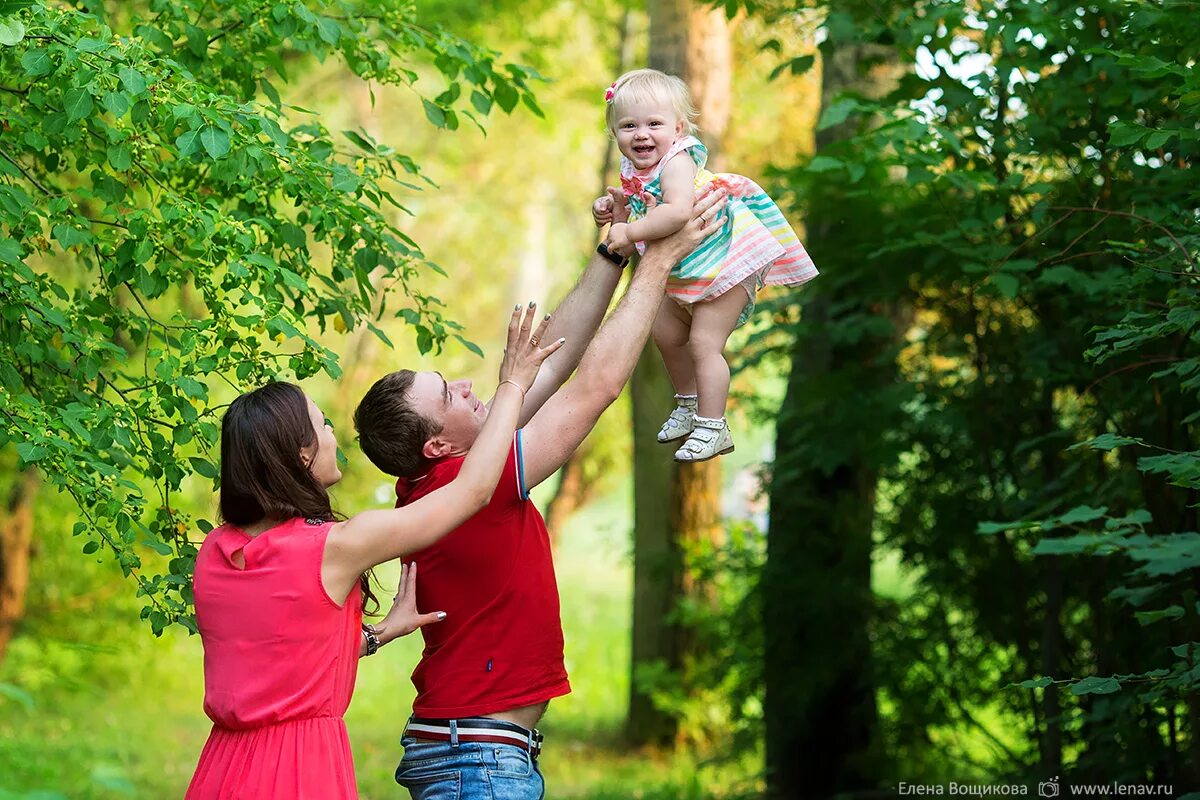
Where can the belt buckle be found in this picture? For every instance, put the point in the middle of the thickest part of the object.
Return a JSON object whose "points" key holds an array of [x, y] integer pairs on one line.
{"points": [[535, 743]]}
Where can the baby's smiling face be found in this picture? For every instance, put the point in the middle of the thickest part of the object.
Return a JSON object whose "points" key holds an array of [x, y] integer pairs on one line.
{"points": [[645, 131]]}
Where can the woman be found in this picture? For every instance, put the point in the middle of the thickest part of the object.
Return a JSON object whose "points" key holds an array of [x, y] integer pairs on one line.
{"points": [[279, 587]]}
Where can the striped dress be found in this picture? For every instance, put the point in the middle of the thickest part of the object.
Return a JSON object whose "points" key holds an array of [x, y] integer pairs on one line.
{"points": [[755, 241]]}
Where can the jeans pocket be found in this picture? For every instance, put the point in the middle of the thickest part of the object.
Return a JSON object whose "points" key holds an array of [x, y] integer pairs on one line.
{"points": [[513, 762], [424, 783], [516, 777]]}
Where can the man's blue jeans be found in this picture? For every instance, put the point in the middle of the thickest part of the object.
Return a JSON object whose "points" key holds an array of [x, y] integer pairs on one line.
{"points": [[468, 771]]}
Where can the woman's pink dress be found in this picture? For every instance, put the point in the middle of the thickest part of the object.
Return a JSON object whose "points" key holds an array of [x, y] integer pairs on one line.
{"points": [[280, 658]]}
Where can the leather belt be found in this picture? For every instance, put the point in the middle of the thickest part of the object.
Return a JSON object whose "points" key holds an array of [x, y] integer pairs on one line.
{"points": [[475, 729]]}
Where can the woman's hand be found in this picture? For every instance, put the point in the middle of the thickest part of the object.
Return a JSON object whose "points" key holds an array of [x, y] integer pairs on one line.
{"points": [[523, 356], [403, 618]]}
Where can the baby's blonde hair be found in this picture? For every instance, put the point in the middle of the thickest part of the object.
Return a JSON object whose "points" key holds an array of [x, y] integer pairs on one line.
{"points": [[650, 85]]}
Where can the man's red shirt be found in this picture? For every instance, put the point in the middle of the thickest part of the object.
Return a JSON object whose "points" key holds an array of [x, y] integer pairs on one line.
{"points": [[501, 644]]}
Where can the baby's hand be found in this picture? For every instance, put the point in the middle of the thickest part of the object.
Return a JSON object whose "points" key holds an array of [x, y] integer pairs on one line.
{"points": [[602, 211], [618, 237], [619, 205]]}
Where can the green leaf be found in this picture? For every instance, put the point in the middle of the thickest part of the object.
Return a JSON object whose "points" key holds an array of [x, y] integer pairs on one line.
{"points": [[12, 31], [506, 96], [328, 30], [162, 548], [1034, 683], [344, 180], [215, 141], [836, 113], [188, 143], [824, 164], [203, 467], [435, 115], [798, 66], [1106, 441], [424, 340], [1095, 685], [31, 452], [358, 139], [1082, 514], [1071, 545], [117, 103], [8, 7], [132, 80], [1150, 617], [1123, 134], [36, 62], [90, 547], [192, 388], [1157, 139], [10, 252], [1006, 284], [474, 348], [481, 102], [69, 236], [87, 44], [119, 157], [988, 528], [78, 104]]}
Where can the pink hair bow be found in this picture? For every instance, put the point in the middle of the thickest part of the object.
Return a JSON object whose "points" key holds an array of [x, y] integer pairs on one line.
{"points": [[608, 93]]}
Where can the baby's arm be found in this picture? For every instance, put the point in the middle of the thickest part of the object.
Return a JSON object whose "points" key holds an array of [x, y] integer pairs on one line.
{"points": [[678, 180]]}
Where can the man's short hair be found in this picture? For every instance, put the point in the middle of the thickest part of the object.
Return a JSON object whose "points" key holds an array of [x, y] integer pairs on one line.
{"points": [[390, 431]]}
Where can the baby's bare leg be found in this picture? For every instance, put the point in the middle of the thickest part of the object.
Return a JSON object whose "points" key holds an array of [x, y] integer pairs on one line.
{"points": [[670, 333], [712, 322]]}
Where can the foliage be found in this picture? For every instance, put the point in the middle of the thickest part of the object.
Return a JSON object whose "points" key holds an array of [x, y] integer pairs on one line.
{"points": [[169, 224], [1030, 275], [717, 694]]}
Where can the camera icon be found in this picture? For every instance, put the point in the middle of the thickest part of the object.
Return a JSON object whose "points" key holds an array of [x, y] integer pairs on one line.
{"points": [[1048, 788]]}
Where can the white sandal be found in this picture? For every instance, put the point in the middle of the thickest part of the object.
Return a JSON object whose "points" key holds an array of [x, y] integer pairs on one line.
{"points": [[679, 424], [710, 438]]}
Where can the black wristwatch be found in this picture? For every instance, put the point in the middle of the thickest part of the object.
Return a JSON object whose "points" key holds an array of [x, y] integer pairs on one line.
{"points": [[615, 258]]}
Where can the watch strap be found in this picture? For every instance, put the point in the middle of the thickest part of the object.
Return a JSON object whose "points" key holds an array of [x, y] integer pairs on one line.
{"points": [[615, 258]]}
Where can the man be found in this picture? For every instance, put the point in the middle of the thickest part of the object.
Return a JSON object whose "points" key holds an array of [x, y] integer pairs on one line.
{"points": [[489, 671]]}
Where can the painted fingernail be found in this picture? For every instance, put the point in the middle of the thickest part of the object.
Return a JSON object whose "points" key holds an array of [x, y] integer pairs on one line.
{"points": [[545, 318], [532, 304], [562, 339], [517, 307], [441, 615]]}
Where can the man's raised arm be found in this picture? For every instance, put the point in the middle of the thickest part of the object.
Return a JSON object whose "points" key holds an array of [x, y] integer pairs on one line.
{"points": [[576, 320], [569, 415]]}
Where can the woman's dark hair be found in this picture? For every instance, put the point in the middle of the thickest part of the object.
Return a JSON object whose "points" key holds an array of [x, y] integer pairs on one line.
{"points": [[262, 472], [390, 431]]}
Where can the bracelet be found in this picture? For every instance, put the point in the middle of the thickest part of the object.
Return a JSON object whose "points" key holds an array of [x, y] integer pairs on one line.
{"points": [[372, 637], [514, 383]]}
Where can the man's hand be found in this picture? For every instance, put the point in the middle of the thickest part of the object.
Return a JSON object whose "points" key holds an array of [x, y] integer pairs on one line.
{"points": [[707, 208]]}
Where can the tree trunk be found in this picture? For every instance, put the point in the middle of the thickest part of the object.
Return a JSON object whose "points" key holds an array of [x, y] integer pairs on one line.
{"points": [[820, 711], [674, 504], [16, 534]]}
